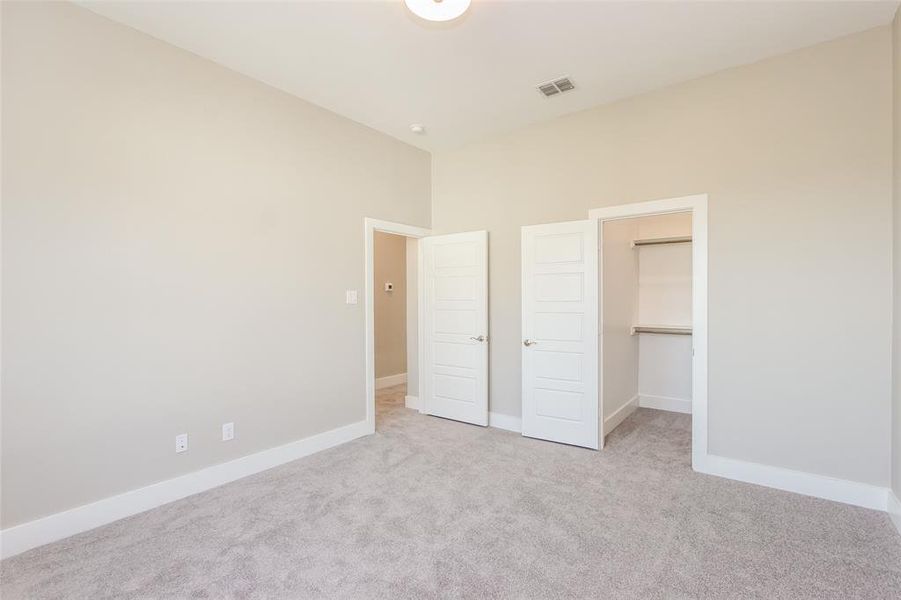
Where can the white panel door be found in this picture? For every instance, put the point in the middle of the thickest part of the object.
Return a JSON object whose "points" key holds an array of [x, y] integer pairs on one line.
{"points": [[455, 326], [560, 332]]}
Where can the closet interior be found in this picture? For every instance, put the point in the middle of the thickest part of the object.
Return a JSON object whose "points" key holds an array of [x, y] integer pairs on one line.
{"points": [[646, 343]]}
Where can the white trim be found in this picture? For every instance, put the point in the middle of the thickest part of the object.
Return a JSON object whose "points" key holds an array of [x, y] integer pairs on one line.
{"points": [[390, 380], [620, 414], [697, 205], [507, 422], [20, 538], [799, 482], [411, 402], [894, 509], [679, 405], [652, 207], [370, 226]]}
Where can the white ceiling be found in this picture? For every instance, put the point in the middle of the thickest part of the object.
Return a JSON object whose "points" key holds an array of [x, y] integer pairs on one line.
{"points": [[375, 63]]}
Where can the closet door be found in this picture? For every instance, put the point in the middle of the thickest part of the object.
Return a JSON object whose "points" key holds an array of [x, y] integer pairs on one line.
{"points": [[560, 332]]}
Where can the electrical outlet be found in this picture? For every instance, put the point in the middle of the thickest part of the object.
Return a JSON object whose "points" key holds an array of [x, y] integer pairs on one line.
{"points": [[181, 442], [228, 431]]}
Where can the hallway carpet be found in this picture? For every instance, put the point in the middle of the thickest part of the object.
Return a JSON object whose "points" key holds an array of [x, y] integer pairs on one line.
{"points": [[429, 508]]}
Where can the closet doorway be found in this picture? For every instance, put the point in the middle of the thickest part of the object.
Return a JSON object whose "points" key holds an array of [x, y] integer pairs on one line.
{"points": [[653, 312], [581, 347], [646, 304]]}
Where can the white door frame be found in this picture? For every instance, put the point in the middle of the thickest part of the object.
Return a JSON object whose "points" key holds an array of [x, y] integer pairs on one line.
{"points": [[697, 206], [370, 226]]}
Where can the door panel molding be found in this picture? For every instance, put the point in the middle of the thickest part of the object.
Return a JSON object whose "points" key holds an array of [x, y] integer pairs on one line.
{"points": [[559, 331], [454, 327]]}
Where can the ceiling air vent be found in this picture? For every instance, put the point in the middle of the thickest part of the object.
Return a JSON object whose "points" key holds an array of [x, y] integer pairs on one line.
{"points": [[558, 86]]}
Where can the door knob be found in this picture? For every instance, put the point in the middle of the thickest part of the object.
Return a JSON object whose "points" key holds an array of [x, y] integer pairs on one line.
{"points": [[481, 338], [528, 342]]}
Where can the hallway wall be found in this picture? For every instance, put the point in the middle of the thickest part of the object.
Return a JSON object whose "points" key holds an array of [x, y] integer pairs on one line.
{"points": [[390, 308], [896, 387]]}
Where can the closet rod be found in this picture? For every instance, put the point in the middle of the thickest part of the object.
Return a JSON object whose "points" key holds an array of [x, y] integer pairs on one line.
{"points": [[661, 329], [666, 240]]}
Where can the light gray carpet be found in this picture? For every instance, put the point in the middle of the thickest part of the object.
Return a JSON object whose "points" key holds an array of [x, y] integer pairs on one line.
{"points": [[429, 508]]}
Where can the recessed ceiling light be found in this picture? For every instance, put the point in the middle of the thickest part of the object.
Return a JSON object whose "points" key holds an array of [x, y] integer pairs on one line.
{"points": [[417, 129], [438, 10]]}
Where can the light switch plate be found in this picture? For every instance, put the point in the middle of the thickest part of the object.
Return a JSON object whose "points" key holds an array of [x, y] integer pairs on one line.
{"points": [[228, 431], [181, 442], [350, 296]]}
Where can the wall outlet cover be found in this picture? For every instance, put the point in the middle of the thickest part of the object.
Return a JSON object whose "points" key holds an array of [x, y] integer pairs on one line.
{"points": [[181, 442], [228, 431]]}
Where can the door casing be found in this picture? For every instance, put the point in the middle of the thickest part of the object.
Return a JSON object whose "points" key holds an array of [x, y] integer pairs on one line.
{"points": [[697, 206], [370, 226]]}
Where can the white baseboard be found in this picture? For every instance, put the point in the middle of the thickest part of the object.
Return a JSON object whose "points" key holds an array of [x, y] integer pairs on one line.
{"points": [[390, 380], [501, 421], [411, 402], [679, 405], [808, 484], [20, 538], [894, 510], [620, 414]]}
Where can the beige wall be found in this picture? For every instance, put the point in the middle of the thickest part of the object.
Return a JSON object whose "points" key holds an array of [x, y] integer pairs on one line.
{"points": [[664, 271], [177, 240], [664, 298], [619, 295], [896, 384], [795, 153], [412, 317], [390, 308]]}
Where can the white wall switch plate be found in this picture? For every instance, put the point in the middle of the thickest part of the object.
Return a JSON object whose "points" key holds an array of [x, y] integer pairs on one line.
{"points": [[181, 442], [228, 431], [350, 296]]}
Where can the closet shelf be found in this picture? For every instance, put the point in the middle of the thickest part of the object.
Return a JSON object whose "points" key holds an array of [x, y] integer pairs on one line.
{"points": [[666, 329], [684, 239]]}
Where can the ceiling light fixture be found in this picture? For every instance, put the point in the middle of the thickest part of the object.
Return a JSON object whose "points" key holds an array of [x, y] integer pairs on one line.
{"points": [[438, 10]]}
